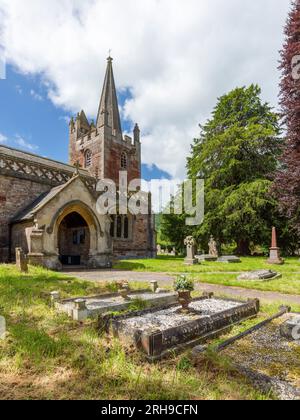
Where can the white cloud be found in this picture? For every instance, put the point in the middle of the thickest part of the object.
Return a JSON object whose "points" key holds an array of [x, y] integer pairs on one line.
{"points": [[19, 90], [24, 144], [176, 57], [36, 95], [3, 138]]}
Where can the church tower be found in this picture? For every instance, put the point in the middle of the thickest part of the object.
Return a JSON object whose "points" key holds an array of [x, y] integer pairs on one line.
{"points": [[101, 147]]}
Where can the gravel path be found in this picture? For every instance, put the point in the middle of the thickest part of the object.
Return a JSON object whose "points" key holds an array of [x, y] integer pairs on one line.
{"points": [[165, 279]]}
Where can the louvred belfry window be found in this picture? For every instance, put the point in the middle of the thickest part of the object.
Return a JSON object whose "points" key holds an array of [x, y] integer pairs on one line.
{"points": [[88, 158], [124, 160]]}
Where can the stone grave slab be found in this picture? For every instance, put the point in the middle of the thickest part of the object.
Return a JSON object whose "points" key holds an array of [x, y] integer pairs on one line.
{"points": [[260, 275], [160, 332], [268, 359], [229, 259], [91, 307], [207, 258]]}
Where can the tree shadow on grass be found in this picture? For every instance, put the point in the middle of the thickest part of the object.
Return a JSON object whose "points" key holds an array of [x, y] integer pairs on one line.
{"points": [[129, 266]]}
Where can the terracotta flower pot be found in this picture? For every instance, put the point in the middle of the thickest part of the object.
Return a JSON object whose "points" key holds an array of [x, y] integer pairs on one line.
{"points": [[184, 298]]}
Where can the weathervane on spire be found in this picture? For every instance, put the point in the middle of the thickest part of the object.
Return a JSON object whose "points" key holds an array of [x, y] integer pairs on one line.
{"points": [[109, 55]]}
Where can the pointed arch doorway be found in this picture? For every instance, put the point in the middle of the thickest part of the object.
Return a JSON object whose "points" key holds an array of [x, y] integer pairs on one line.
{"points": [[74, 240]]}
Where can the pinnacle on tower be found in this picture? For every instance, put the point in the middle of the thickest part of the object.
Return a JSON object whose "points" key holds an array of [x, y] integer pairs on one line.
{"points": [[108, 113]]}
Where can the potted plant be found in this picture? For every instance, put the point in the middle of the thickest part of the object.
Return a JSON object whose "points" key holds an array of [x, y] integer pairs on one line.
{"points": [[184, 287]]}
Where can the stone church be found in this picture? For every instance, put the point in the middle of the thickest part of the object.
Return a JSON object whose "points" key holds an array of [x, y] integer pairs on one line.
{"points": [[48, 208]]}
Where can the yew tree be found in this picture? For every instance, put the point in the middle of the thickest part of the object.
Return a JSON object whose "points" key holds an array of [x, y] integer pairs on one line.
{"points": [[236, 154]]}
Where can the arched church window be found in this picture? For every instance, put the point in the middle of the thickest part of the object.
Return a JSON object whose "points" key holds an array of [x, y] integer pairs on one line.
{"points": [[119, 227], [88, 158], [126, 227], [124, 161], [112, 228]]}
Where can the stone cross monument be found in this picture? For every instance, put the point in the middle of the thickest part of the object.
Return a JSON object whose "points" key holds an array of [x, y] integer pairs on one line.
{"points": [[275, 251], [190, 251]]}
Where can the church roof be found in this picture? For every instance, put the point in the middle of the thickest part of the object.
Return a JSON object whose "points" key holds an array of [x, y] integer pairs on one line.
{"points": [[13, 153], [108, 113], [29, 212]]}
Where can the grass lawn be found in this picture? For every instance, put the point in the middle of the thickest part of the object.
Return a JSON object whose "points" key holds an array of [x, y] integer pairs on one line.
{"points": [[176, 265], [48, 356], [224, 274]]}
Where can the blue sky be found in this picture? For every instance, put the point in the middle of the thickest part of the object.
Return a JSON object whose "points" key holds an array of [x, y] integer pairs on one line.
{"points": [[175, 69], [31, 122]]}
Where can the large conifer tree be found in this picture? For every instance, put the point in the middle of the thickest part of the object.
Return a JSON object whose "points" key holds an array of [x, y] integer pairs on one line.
{"points": [[287, 184]]}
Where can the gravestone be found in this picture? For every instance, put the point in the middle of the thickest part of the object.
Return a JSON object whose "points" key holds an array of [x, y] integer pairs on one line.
{"points": [[291, 329], [21, 261], [159, 249], [2, 328], [213, 250], [229, 259], [275, 251], [260, 275], [190, 251], [94, 306], [164, 331]]}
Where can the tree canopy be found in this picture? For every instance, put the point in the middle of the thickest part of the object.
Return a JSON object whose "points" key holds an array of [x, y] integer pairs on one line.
{"points": [[287, 185], [236, 154]]}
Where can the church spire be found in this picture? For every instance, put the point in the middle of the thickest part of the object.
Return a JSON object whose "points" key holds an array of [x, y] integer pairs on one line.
{"points": [[108, 113]]}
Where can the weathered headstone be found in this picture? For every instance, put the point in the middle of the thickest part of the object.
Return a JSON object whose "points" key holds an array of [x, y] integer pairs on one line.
{"points": [[154, 285], [158, 249], [190, 251], [213, 250], [21, 261], [275, 251], [80, 312], [260, 275], [291, 329], [54, 297], [2, 328]]}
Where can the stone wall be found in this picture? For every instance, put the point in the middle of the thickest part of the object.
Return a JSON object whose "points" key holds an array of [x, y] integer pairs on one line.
{"points": [[15, 195], [143, 242], [20, 237], [106, 150]]}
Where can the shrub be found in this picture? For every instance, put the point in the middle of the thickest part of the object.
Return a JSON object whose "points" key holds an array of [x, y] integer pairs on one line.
{"points": [[182, 283]]}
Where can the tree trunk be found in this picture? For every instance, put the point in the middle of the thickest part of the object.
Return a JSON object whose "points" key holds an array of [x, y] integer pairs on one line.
{"points": [[243, 247]]}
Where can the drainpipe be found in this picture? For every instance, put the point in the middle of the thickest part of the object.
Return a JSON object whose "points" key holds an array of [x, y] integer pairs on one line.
{"points": [[10, 226]]}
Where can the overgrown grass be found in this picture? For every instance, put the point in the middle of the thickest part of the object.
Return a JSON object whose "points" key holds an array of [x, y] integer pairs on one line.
{"points": [[224, 274], [48, 356]]}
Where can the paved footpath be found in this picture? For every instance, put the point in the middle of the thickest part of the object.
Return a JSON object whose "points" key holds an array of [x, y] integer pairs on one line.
{"points": [[165, 279]]}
